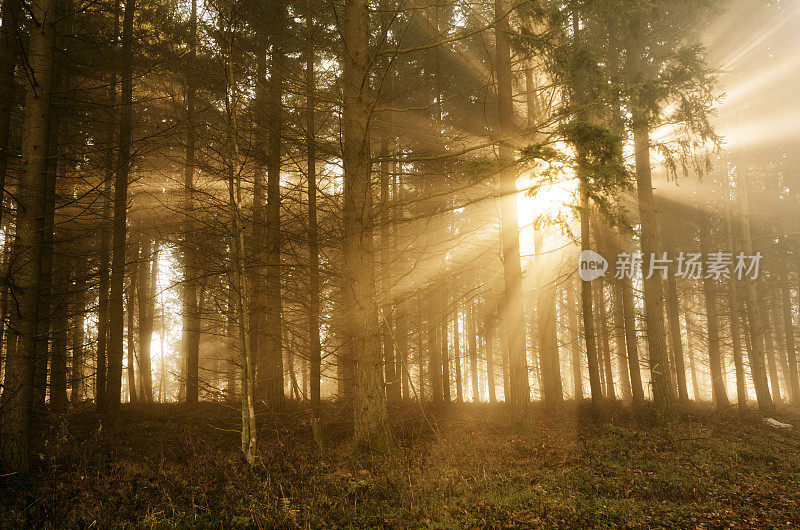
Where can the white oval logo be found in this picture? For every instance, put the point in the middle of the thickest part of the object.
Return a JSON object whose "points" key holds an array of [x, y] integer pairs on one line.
{"points": [[591, 265]]}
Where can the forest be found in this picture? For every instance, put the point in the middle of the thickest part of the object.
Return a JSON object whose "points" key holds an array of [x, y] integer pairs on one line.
{"points": [[399, 263]]}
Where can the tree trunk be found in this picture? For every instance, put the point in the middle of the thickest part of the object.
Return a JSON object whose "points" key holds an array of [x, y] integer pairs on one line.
{"points": [[77, 388], [146, 289], [519, 392], [674, 321], [709, 292], [130, 300], [315, 346], [788, 329], [11, 16], [574, 339], [653, 288], [472, 340], [489, 332], [17, 391], [191, 317], [271, 372], [754, 309], [116, 327], [371, 423], [457, 357], [619, 340]]}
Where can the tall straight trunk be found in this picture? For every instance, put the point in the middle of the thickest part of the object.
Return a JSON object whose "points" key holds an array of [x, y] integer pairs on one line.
{"points": [[769, 350], [710, 295], [402, 346], [574, 339], [315, 346], [106, 233], [11, 21], [690, 348], [788, 330], [753, 306], [519, 392], [619, 340], [653, 288], [191, 311], [116, 324], [247, 365], [271, 372], [17, 391], [60, 332], [443, 336], [130, 301], [674, 321], [733, 304], [77, 391], [371, 422], [390, 366], [457, 357], [472, 341], [420, 354], [434, 350], [489, 333], [780, 338], [632, 342], [606, 339], [46, 298], [549, 362], [146, 290]]}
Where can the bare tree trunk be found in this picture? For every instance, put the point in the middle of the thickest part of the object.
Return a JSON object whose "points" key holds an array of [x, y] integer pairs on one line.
{"points": [[77, 387], [17, 391], [271, 373], [709, 291], [518, 394], [632, 343], [754, 310], [653, 288], [248, 434], [434, 350], [489, 324], [315, 346], [472, 340], [116, 328], [674, 321], [443, 336], [191, 316], [457, 357], [690, 347], [146, 289], [605, 339], [11, 16], [788, 329], [619, 340], [130, 300], [371, 423], [574, 338]]}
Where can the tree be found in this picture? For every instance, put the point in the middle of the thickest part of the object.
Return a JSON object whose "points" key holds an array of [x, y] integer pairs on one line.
{"points": [[372, 429], [17, 394]]}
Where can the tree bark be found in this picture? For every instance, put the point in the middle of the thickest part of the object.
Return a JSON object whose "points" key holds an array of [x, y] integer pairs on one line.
{"points": [[116, 327], [754, 309], [519, 392], [371, 423], [17, 392], [709, 292], [191, 311]]}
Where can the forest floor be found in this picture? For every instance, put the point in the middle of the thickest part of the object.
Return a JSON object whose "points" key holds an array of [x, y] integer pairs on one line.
{"points": [[165, 466]]}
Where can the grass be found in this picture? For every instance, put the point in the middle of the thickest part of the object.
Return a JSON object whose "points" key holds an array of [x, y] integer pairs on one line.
{"points": [[164, 466]]}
